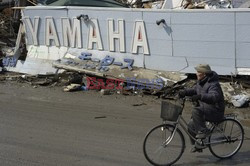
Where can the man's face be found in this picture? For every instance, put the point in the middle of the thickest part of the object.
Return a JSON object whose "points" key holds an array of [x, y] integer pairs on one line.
{"points": [[200, 75]]}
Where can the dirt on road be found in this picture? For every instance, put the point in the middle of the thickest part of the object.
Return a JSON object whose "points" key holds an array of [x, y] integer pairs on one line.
{"points": [[134, 101]]}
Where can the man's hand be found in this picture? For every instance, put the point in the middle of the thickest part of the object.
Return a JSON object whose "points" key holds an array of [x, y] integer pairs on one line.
{"points": [[182, 93], [195, 98]]}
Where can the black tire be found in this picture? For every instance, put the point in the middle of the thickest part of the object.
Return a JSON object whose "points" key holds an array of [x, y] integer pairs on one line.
{"points": [[226, 138], [159, 153]]}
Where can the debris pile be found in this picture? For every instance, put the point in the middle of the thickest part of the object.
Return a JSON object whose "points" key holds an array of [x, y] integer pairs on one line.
{"points": [[236, 94], [154, 4], [8, 34], [206, 4], [184, 4], [85, 71], [8, 31], [112, 70], [6, 3]]}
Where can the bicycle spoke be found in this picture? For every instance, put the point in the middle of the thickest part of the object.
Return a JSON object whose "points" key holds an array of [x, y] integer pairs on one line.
{"points": [[228, 141], [163, 145], [158, 149]]}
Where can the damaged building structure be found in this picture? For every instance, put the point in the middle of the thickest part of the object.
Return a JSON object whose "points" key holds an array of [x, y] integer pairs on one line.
{"points": [[158, 45]]}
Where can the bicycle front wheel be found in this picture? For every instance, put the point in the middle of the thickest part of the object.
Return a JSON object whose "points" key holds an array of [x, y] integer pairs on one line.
{"points": [[162, 146], [226, 138]]}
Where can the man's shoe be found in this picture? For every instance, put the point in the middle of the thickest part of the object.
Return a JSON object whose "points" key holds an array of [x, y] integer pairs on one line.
{"points": [[202, 135], [195, 149]]}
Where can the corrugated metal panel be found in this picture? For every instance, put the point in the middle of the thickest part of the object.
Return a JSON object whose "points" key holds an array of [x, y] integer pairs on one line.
{"points": [[166, 63], [204, 49], [202, 17], [243, 40], [224, 66], [218, 37]]}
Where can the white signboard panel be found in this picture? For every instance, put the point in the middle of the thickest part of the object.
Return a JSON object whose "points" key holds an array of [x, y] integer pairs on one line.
{"points": [[183, 39]]}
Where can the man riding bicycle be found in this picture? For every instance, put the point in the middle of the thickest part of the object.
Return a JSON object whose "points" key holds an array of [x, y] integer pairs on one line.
{"points": [[210, 102]]}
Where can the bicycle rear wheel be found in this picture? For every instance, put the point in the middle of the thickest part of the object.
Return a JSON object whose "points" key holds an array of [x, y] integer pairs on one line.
{"points": [[226, 138], [160, 148]]}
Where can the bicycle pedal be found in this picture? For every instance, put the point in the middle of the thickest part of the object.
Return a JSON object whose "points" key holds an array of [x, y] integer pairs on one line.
{"points": [[200, 145], [195, 149]]}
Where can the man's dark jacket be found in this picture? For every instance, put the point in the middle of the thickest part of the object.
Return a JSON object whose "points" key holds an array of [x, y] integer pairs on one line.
{"points": [[212, 99]]}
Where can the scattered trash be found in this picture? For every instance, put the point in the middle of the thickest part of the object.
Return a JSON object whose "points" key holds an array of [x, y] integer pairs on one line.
{"points": [[228, 90], [235, 93], [105, 91], [84, 88], [42, 82], [23, 76], [75, 78], [72, 87], [3, 43], [100, 117], [134, 81], [122, 75], [240, 100], [139, 104]]}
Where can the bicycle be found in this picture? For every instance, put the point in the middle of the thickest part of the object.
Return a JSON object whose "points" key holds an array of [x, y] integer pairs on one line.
{"points": [[164, 144]]}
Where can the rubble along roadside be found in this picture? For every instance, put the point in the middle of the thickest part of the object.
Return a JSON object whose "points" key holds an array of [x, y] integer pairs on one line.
{"points": [[68, 78]]}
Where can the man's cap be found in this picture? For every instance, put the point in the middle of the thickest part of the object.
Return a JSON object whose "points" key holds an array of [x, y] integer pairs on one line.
{"points": [[203, 68]]}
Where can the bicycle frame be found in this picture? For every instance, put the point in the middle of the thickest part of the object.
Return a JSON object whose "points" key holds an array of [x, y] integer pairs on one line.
{"points": [[184, 125], [222, 132]]}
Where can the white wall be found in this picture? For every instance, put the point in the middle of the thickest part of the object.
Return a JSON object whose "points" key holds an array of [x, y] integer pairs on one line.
{"points": [[218, 37]]}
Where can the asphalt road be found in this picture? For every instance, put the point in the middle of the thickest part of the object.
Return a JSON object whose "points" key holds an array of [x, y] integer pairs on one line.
{"points": [[45, 126]]}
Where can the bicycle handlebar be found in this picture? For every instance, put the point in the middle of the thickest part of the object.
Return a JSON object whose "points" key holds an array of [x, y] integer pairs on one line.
{"points": [[182, 101]]}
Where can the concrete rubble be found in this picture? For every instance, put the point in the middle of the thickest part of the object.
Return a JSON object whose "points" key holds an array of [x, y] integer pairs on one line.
{"points": [[192, 4], [235, 94], [207, 4], [240, 100], [9, 28]]}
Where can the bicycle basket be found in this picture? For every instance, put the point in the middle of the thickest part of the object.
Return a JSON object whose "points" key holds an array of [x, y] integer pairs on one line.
{"points": [[170, 111]]}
